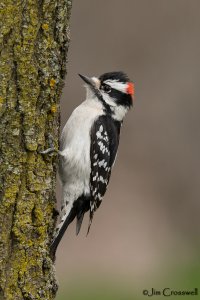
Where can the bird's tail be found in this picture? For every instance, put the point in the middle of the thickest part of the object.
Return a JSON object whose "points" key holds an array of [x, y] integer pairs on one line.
{"points": [[90, 220], [80, 206], [79, 221], [60, 230]]}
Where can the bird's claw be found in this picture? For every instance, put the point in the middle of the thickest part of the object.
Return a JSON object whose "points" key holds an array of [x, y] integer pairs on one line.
{"points": [[51, 149]]}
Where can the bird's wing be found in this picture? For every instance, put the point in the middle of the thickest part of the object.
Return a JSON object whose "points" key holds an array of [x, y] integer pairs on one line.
{"points": [[103, 149]]}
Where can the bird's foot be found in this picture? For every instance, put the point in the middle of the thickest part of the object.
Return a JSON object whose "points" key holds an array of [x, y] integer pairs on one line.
{"points": [[51, 149]]}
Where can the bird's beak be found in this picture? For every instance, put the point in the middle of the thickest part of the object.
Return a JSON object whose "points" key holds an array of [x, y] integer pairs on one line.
{"points": [[93, 83], [87, 80]]}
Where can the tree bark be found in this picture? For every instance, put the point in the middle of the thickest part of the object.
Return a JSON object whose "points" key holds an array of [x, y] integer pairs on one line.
{"points": [[34, 39]]}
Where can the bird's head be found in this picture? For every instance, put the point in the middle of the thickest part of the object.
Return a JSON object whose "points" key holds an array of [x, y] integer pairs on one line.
{"points": [[114, 90]]}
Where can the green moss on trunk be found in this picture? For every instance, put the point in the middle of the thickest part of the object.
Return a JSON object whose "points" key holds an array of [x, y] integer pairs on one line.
{"points": [[34, 39]]}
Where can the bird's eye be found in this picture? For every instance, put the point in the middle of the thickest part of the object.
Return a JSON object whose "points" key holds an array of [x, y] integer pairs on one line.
{"points": [[106, 88]]}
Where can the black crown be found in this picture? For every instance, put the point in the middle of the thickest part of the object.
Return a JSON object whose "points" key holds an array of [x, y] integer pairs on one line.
{"points": [[120, 76]]}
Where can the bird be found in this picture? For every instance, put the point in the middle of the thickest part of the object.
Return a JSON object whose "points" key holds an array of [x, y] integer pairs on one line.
{"points": [[88, 148]]}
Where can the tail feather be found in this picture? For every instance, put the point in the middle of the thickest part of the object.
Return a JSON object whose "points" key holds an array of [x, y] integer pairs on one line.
{"points": [[80, 217], [79, 208], [90, 220], [61, 231], [83, 205]]}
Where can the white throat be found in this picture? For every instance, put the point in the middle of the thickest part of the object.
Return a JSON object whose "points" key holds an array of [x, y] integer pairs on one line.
{"points": [[89, 93]]}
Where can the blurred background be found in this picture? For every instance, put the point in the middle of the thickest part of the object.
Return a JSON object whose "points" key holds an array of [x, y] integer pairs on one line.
{"points": [[147, 231]]}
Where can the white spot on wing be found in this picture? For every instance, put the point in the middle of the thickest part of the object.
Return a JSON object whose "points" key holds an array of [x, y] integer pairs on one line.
{"points": [[101, 162], [105, 164]]}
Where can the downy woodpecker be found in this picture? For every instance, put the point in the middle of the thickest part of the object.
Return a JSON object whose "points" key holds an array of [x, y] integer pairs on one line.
{"points": [[88, 147]]}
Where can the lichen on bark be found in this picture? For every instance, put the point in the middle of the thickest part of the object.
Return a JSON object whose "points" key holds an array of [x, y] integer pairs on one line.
{"points": [[34, 39]]}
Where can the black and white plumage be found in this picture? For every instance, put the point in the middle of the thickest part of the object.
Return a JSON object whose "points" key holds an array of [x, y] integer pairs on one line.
{"points": [[88, 147]]}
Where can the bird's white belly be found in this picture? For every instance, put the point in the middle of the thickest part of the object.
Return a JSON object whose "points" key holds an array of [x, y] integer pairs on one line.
{"points": [[75, 166]]}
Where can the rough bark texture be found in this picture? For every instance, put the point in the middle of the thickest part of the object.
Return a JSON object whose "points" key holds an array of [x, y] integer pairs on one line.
{"points": [[34, 38]]}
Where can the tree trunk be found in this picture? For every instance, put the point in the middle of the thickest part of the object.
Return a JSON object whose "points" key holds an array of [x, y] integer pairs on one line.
{"points": [[34, 38]]}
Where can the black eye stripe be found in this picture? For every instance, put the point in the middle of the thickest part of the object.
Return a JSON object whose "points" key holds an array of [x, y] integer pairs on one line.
{"points": [[119, 97], [106, 88]]}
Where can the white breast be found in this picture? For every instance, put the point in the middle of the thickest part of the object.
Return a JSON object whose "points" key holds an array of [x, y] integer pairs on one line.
{"points": [[74, 167]]}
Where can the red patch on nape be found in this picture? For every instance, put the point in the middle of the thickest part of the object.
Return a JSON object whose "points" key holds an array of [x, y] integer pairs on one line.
{"points": [[130, 89]]}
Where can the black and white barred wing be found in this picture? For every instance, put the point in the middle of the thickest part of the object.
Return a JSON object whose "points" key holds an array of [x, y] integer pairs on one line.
{"points": [[104, 144]]}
